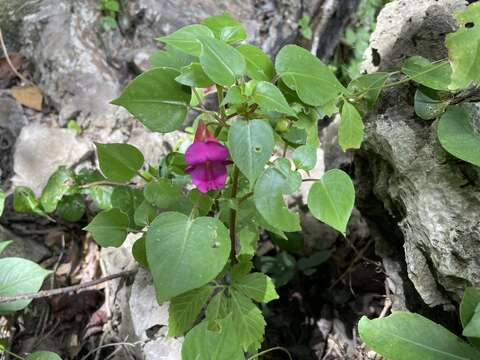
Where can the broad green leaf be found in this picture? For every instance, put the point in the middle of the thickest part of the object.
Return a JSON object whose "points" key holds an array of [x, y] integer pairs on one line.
{"points": [[217, 308], [221, 62], [162, 193], [156, 99], [2, 201], [457, 135], [256, 286], [72, 207], [184, 309], [184, 254], [100, 194], [350, 131], [276, 181], [408, 336], [428, 107], [119, 162], [43, 355], [367, 88], [248, 320], [24, 200], [203, 343], [186, 38], [4, 244], [313, 81], [270, 98], [305, 157], [127, 200], [331, 199], [470, 301], [201, 201], [193, 75], [251, 145], [259, 65], [19, 276], [109, 228], [139, 252], [433, 75], [473, 327], [58, 185], [145, 213], [464, 48], [226, 28], [171, 58]]}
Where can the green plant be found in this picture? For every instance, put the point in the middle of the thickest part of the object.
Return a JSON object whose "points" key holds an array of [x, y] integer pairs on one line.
{"points": [[109, 9], [201, 210], [407, 336], [305, 29]]}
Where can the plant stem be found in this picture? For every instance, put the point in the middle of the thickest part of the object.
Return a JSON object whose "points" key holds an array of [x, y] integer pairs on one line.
{"points": [[65, 290], [256, 356], [221, 107], [233, 216], [100, 183]]}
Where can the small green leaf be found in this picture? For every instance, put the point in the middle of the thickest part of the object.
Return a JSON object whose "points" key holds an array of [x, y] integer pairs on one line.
{"points": [[407, 336], [185, 308], [58, 185], [203, 343], [350, 131], [2, 201], [108, 23], [313, 81], [24, 200], [331, 199], [270, 98], [464, 48], [221, 62], [139, 252], [251, 144], [234, 96], [72, 207], [157, 100], [248, 320], [193, 75], [127, 200], [367, 88], [19, 276], [186, 38], [145, 213], [217, 308], [259, 65], [275, 182], [473, 327], [226, 28], [433, 75], [162, 193], [470, 301], [119, 162], [109, 228], [305, 157], [201, 201], [4, 244], [428, 107], [256, 286], [457, 135], [184, 253], [170, 57], [43, 355]]}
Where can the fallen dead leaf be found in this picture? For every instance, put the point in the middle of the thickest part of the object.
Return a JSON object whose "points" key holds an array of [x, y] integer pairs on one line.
{"points": [[29, 96], [6, 72]]}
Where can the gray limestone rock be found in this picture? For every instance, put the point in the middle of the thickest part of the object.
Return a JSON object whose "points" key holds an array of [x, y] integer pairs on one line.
{"points": [[40, 150], [432, 197], [23, 247]]}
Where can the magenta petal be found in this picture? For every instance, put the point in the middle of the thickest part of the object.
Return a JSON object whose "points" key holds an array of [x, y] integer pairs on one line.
{"points": [[200, 152], [209, 176]]}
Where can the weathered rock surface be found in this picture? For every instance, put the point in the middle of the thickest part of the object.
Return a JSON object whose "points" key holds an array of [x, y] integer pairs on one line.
{"points": [[40, 150], [23, 247], [433, 197]]}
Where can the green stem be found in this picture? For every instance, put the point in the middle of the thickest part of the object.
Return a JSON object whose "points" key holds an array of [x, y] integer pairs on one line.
{"points": [[101, 183], [233, 216], [270, 350], [220, 100], [199, 99], [143, 176]]}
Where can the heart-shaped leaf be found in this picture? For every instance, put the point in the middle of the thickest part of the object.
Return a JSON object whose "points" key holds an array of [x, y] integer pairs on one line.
{"points": [[270, 98], [186, 38], [433, 75], [305, 157], [156, 99], [184, 254], [57, 186], [119, 162], [251, 145], [331, 199], [350, 131], [226, 28], [428, 106], [457, 135], [109, 228]]}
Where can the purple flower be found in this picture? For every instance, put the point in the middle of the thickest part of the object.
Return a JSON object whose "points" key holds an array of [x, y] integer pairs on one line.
{"points": [[207, 160]]}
